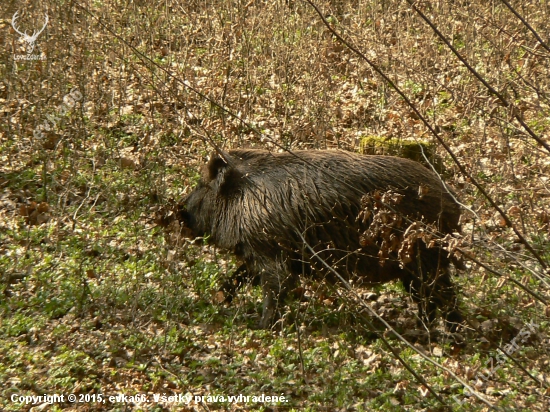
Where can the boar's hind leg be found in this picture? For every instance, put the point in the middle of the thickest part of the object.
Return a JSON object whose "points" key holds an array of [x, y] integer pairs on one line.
{"points": [[417, 288], [429, 282], [448, 302]]}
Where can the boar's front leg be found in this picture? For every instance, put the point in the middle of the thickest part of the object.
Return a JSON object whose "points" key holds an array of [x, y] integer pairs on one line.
{"points": [[276, 282], [238, 279]]}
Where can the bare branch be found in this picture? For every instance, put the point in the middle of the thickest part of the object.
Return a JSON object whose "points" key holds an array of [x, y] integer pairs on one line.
{"points": [[519, 16], [436, 135], [514, 110]]}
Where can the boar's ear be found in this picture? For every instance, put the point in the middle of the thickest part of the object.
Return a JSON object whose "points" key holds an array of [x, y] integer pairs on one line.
{"points": [[215, 166], [223, 173]]}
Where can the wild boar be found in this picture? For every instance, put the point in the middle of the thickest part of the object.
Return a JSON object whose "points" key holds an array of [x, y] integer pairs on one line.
{"points": [[290, 214]]}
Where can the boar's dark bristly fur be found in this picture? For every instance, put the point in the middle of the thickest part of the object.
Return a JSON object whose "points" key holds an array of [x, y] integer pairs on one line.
{"points": [[261, 205]]}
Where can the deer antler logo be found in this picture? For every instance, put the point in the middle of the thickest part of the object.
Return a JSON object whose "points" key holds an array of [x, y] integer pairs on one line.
{"points": [[30, 40]]}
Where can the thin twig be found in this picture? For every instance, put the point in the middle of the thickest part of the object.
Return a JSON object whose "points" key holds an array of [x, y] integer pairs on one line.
{"points": [[514, 110], [399, 336], [519, 16], [435, 134]]}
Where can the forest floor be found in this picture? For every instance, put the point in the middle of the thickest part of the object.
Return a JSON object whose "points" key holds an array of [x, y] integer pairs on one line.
{"points": [[109, 126]]}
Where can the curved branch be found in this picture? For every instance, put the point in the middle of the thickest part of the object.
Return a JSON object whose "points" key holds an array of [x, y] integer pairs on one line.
{"points": [[519, 16], [435, 134], [373, 313], [514, 110]]}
